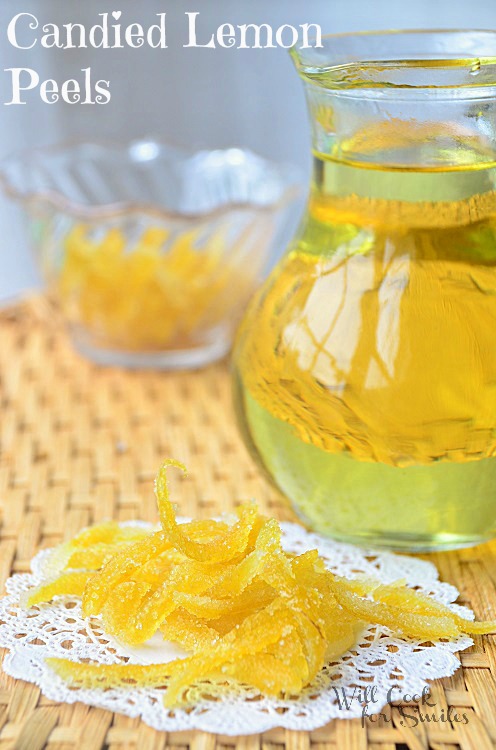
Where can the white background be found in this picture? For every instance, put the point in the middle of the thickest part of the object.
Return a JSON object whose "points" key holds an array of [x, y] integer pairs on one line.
{"points": [[195, 97]]}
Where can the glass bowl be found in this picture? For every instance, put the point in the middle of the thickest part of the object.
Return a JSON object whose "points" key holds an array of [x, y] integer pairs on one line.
{"points": [[151, 252]]}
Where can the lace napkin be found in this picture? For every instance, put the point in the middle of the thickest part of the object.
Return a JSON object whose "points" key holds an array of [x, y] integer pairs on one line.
{"points": [[392, 666]]}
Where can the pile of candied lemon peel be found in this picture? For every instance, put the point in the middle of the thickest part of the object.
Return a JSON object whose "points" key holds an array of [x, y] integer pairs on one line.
{"points": [[229, 595], [160, 293]]}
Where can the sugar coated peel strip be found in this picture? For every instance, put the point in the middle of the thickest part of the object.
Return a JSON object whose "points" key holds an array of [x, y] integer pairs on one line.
{"points": [[67, 584], [225, 547]]}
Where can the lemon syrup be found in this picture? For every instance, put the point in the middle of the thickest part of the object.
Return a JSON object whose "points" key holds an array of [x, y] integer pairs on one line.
{"points": [[366, 366]]}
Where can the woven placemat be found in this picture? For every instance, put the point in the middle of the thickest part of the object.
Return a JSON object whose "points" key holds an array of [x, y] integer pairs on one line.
{"points": [[79, 444]]}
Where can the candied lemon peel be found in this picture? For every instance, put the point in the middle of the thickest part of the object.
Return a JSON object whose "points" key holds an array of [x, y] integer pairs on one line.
{"points": [[156, 294], [243, 608]]}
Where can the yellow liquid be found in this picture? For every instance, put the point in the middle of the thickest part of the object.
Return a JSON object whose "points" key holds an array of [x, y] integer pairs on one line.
{"points": [[365, 369]]}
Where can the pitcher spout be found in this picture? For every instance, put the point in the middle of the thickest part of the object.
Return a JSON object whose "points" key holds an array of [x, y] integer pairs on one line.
{"points": [[402, 98]]}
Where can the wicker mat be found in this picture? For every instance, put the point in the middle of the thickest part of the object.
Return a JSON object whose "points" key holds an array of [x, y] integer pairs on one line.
{"points": [[79, 444]]}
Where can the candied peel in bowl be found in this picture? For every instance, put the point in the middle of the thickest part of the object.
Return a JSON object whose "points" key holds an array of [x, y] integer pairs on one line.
{"points": [[228, 594], [157, 294]]}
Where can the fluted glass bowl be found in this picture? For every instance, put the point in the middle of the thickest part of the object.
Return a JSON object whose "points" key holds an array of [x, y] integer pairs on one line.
{"points": [[151, 252]]}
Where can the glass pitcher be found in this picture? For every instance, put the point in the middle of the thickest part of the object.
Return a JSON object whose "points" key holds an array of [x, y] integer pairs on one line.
{"points": [[365, 369]]}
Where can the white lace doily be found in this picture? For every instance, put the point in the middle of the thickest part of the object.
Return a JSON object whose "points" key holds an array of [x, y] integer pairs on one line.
{"points": [[381, 660]]}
